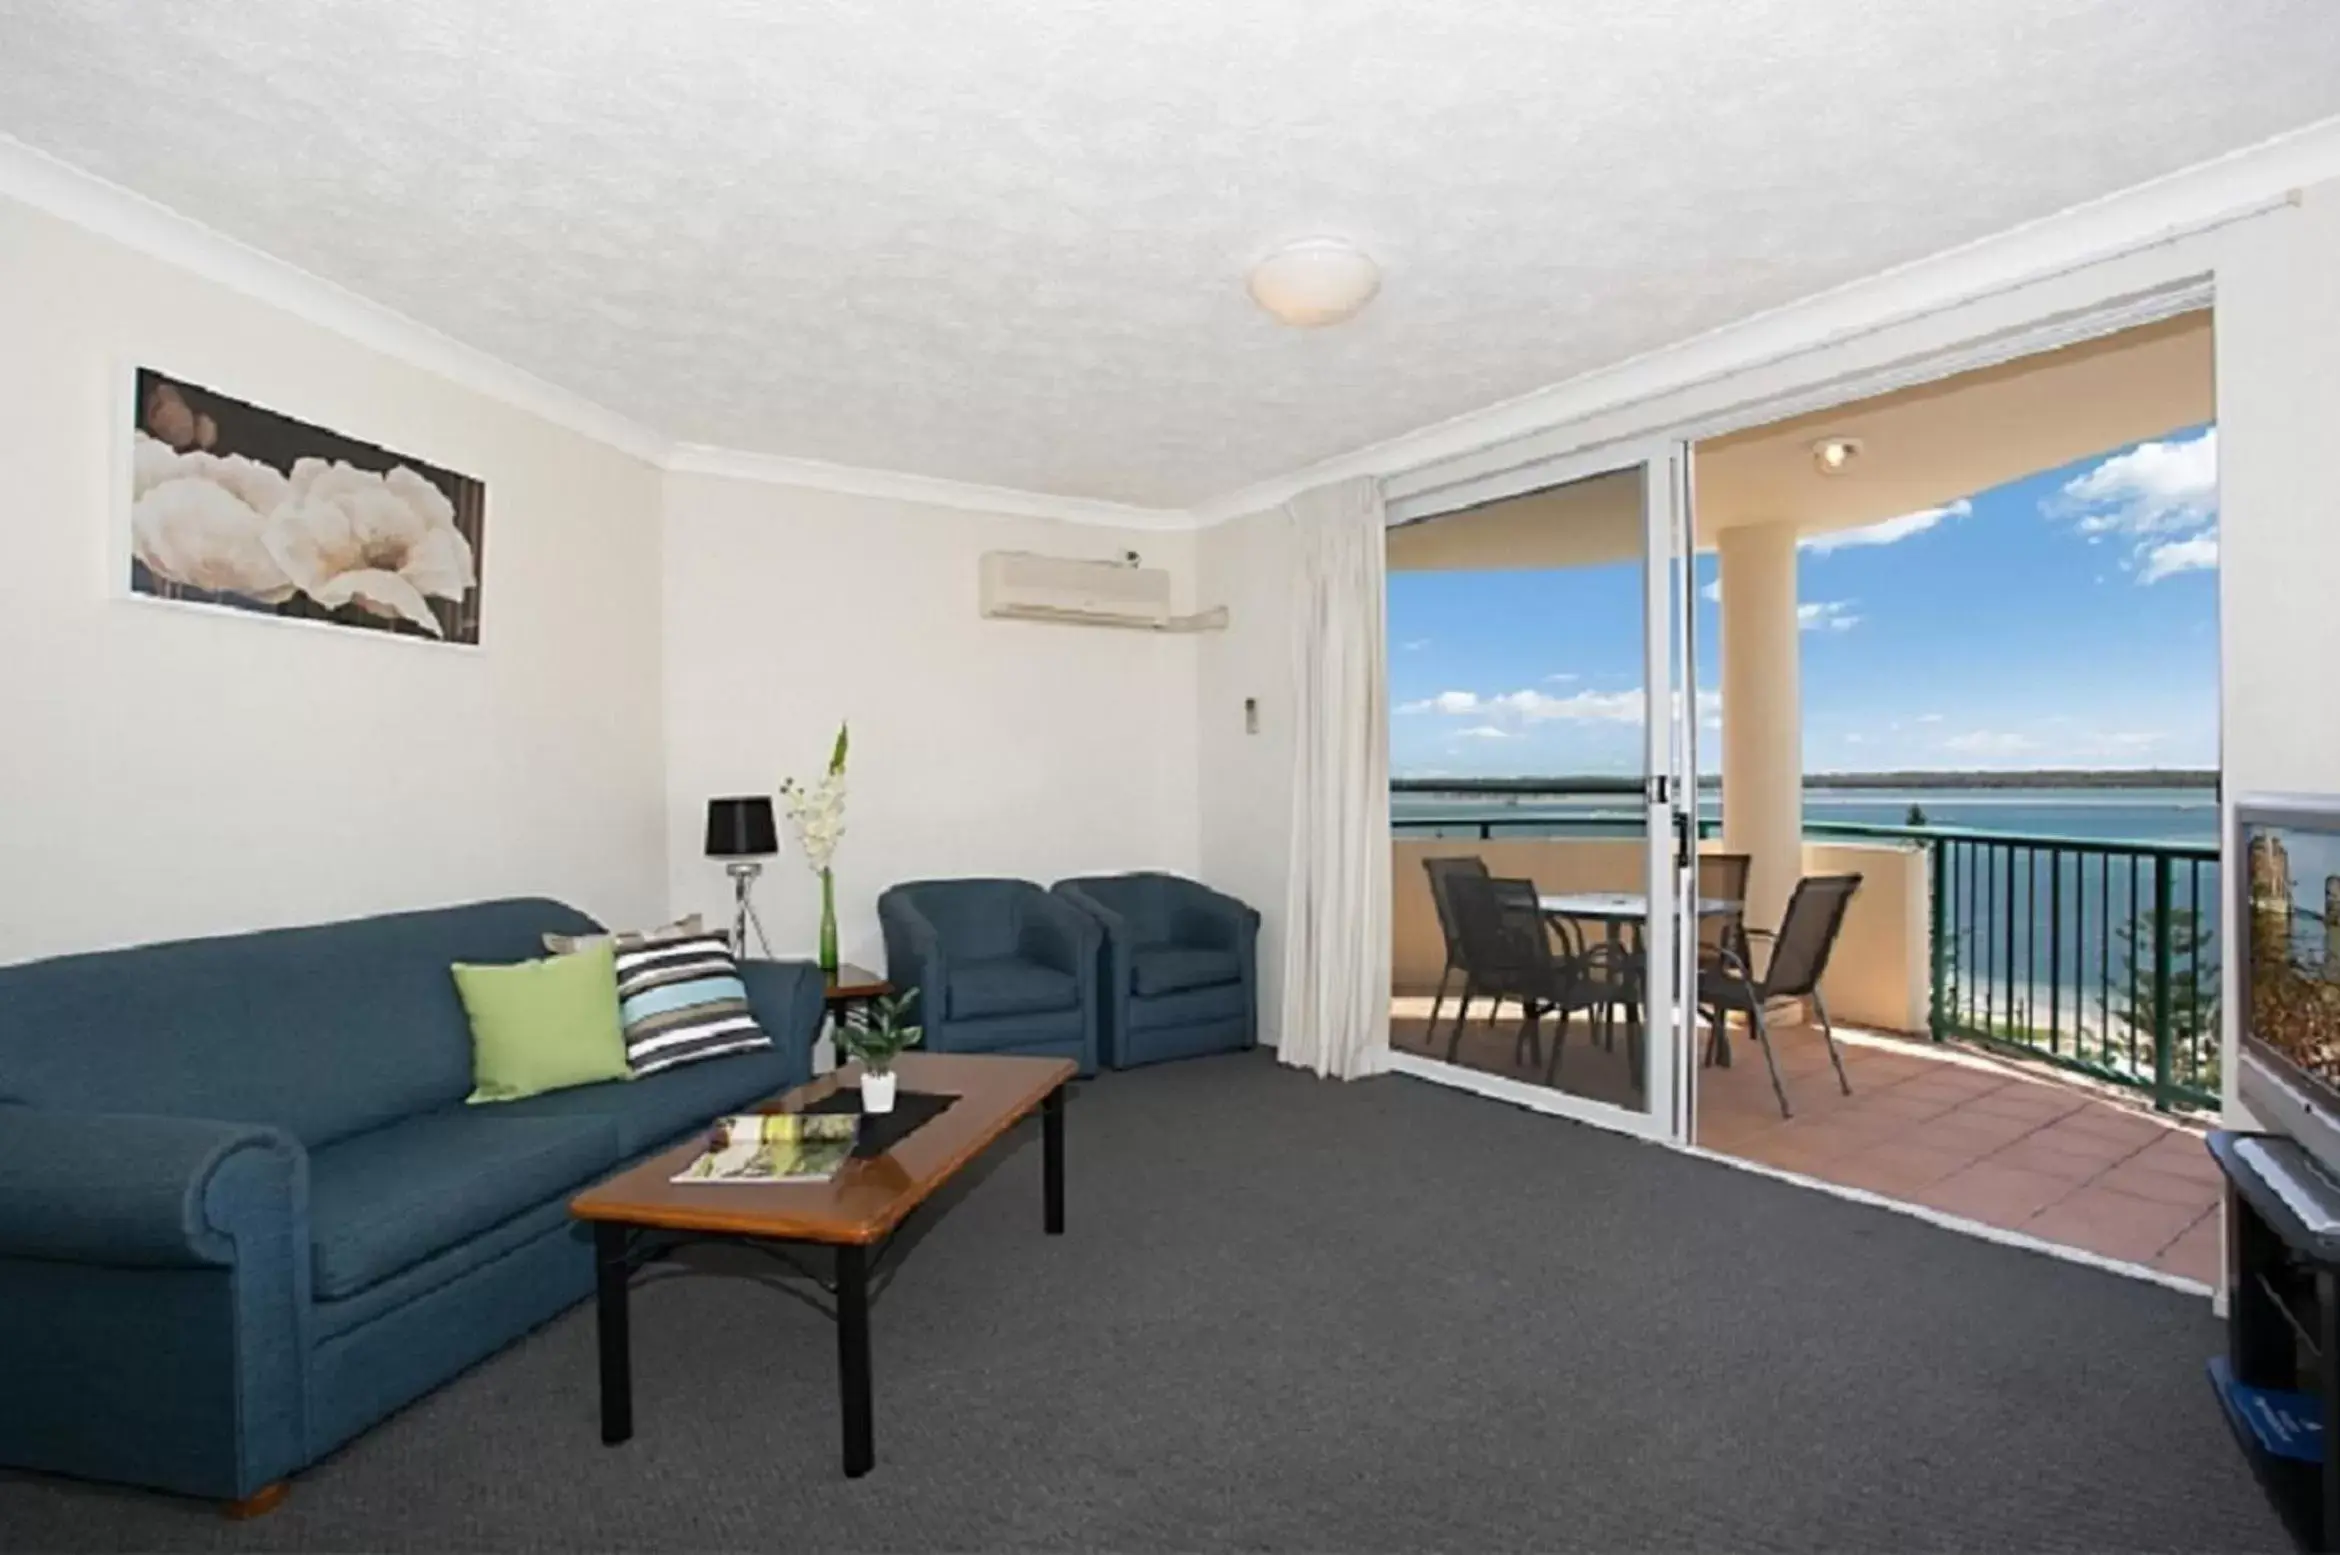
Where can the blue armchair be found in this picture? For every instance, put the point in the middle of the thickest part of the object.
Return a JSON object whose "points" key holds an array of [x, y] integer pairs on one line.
{"points": [[1180, 966], [1000, 966]]}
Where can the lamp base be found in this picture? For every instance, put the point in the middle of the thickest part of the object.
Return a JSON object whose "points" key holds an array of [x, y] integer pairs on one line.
{"points": [[744, 872]]}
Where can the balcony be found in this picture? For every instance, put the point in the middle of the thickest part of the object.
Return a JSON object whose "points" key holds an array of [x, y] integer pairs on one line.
{"points": [[2027, 1022]]}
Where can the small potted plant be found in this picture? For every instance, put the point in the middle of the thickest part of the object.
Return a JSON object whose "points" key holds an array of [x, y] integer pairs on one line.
{"points": [[877, 1044]]}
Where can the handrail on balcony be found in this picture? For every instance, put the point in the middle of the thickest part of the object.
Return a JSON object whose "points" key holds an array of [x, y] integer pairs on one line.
{"points": [[2098, 955]]}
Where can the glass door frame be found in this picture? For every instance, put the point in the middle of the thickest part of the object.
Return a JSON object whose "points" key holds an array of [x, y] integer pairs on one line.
{"points": [[1674, 826], [1670, 801]]}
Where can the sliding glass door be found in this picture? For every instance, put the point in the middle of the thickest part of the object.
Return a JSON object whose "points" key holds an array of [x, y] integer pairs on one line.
{"points": [[1674, 790], [1543, 738]]}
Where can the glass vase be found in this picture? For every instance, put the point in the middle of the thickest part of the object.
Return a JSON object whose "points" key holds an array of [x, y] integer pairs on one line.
{"points": [[828, 922]]}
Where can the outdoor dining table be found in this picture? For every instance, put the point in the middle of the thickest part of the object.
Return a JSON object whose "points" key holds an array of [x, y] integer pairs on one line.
{"points": [[1613, 910], [1618, 908]]}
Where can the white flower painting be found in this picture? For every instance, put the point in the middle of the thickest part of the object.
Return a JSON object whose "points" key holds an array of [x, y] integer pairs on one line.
{"points": [[240, 507]]}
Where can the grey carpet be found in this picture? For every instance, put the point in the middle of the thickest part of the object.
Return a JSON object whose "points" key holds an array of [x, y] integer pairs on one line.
{"points": [[1293, 1314]]}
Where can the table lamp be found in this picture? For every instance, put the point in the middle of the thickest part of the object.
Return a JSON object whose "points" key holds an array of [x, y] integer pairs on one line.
{"points": [[741, 832]]}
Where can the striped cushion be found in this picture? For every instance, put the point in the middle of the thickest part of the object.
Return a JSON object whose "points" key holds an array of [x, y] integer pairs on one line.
{"points": [[681, 1001], [627, 939]]}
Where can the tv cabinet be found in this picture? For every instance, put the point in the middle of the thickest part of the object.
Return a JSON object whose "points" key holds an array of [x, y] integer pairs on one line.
{"points": [[2276, 1381]]}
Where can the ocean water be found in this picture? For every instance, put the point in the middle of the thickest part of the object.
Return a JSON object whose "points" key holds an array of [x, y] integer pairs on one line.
{"points": [[2173, 815]]}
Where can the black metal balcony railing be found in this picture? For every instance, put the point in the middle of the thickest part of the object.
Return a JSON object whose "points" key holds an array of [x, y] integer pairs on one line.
{"points": [[2096, 955], [2099, 956]]}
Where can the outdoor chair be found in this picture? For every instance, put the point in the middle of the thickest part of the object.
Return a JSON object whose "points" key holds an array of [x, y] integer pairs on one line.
{"points": [[1442, 871], [1727, 984], [1509, 952], [1722, 877]]}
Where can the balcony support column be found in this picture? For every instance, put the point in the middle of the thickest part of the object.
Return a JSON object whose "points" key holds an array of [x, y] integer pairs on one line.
{"points": [[1762, 713]]}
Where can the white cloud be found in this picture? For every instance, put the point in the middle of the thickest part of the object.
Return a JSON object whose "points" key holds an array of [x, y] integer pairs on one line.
{"points": [[1455, 704], [1989, 742], [1414, 645], [2162, 497], [1484, 732], [2153, 489], [1712, 593], [1533, 707], [2167, 558], [1886, 530], [1826, 615], [1579, 706], [1561, 679], [1929, 718]]}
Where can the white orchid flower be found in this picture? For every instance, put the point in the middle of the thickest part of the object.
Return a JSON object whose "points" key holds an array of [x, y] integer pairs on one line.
{"points": [[816, 810]]}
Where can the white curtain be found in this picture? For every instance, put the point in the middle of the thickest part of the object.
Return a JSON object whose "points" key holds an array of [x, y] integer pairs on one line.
{"points": [[1336, 892]]}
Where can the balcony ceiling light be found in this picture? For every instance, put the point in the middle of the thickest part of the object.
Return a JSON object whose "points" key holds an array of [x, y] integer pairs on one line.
{"points": [[1834, 455], [1314, 282]]}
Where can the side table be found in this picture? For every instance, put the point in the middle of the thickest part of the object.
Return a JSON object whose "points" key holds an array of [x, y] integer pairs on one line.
{"points": [[849, 992]]}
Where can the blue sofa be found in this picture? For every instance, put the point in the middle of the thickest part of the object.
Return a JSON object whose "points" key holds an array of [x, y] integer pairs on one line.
{"points": [[1000, 966], [244, 1211], [1179, 976]]}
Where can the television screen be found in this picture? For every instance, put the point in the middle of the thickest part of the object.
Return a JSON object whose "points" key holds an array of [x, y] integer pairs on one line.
{"points": [[2290, 923]]}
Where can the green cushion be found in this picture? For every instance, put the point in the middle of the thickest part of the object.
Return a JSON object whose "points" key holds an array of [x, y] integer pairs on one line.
{"points": [[543, 1025]]}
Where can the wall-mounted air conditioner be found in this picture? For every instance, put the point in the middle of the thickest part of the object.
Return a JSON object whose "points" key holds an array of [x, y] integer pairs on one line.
{"points": [[1020, 586]]}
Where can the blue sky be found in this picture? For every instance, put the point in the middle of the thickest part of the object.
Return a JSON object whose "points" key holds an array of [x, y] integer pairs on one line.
{"points": [[2068, 619]]}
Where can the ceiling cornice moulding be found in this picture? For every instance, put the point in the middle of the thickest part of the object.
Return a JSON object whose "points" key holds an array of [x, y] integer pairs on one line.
{"points": [[155, 230], [2189, 201], [2240, 184], [927, 490], [148, 227]]}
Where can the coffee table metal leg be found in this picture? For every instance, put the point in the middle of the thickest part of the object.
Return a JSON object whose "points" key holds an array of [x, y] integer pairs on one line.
{"points": [[853, 1359], [611, 1272], [1052, 1161]]}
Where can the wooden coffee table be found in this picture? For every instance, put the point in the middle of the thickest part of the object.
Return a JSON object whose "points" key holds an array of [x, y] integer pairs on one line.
{"points": [[639, 1216]]}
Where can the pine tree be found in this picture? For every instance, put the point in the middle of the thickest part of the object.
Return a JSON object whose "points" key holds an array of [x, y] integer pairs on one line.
{"points": [[2193, 995]]}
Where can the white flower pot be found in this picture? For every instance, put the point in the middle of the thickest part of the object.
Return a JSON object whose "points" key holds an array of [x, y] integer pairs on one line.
{"points": [[877, 1092]]}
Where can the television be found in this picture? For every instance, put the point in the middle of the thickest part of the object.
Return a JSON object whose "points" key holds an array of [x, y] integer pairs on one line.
{"points": [[2285, 977]]}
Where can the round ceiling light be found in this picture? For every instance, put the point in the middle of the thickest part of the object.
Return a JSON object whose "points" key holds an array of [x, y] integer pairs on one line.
{"points": [[1834, 455], [1314, 282]]}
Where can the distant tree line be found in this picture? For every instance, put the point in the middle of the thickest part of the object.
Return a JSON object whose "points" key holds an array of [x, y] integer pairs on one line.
{"points": [[1611, 783]]}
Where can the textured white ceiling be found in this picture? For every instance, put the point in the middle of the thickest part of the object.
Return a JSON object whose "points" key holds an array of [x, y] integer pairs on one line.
{"points": [[1002, 241]]}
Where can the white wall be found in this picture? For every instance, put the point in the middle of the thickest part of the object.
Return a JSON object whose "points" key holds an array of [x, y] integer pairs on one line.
{"points": [[167, 771], [2278, 345], [979, 747], [1244, 781]]}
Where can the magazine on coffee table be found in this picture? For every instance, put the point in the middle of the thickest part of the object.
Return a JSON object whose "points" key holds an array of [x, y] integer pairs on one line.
{"points": [[770, 1147]]}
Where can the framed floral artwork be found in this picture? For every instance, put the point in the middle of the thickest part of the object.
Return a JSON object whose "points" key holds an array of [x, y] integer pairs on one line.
{"points": [[249, 510]]}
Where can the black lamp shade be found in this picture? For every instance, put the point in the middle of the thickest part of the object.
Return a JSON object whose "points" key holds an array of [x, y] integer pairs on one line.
{"points": [[741, 827]]}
